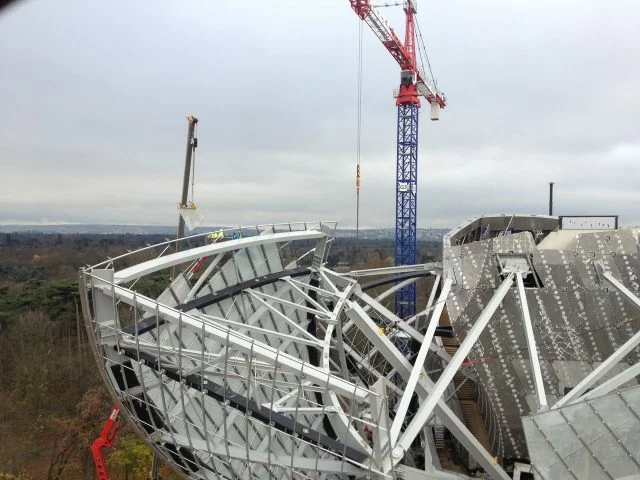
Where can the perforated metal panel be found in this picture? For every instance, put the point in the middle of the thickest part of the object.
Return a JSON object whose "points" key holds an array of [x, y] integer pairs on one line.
{"points": [[578, 321]]}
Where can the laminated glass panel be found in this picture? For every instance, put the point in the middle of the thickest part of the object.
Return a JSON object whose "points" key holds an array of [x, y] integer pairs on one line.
{"points": [[559, 433]]}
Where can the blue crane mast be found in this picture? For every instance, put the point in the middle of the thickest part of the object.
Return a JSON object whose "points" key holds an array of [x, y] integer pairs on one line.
{"points": [[413, 85]]}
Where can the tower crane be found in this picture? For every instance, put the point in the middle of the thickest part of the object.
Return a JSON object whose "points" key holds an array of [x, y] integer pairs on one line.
{"points": [[413, 85]]}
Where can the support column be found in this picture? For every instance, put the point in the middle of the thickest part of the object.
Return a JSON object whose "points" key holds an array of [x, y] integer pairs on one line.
{"points": [[418, 365], [531, 345], [424, 390], [426, 409]]}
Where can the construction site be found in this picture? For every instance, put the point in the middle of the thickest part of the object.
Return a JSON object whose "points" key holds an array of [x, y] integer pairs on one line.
{"points": [[512, 355]]}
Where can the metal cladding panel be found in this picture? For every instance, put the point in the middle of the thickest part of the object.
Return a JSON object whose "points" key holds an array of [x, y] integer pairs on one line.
{"points": [[176, 292], [596, 440], [578, 320]]}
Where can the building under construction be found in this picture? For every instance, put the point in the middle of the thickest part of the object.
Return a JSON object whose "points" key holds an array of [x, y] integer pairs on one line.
{"points": [[258, 361]]}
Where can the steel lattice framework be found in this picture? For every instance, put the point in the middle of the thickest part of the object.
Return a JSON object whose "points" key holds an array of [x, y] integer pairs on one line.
{"points": [[259, 362], [406, 202]]}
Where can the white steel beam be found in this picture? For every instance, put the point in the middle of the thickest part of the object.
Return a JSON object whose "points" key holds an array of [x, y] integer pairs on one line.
{"points": [[327, 281], [380, 416], [599, 371], [424, 267], [335, 279], [203, 278], [297, 306], [242, 343], [531, 345], [285, 398], [392, 318], [628, 294], [382, 296], [404, 326], [252, 328], [281, 315], [424, 390], [432, 297], [396, 287], [410, 473], [613, 383], [184, 256], [341, 423], [303, 293], [426, 409], [417, 368], [310, 287]]}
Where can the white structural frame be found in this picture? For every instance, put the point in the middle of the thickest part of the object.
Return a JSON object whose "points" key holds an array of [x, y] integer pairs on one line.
{"points": [[426, 409], [531, 345], [391, 441], [160, 263], [422, 267], [418, 366], [425, 391]]}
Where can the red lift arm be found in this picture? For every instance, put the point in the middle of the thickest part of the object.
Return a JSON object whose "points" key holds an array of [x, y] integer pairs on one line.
{"points": [[106, 438]]}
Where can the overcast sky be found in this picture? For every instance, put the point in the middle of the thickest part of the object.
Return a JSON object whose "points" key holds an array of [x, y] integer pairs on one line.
{"points": [[95, 95]]}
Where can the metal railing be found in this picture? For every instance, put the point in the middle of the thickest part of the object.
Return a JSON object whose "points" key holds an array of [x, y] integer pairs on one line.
{"points": [[170, 246], [489, 417]]}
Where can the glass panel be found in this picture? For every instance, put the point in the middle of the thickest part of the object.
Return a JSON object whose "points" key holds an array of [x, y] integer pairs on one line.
{"points": [[558, 471], [629, 434], [545, 460], [560, 435], [613, 457], [585, 422], [245, 269], [584, 466], [258, 260], [612, 409], [632, 397]]}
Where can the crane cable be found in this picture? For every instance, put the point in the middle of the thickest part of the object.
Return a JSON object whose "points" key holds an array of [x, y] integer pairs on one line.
{"points": [[358, 137], [422, 50], [194, 143]]}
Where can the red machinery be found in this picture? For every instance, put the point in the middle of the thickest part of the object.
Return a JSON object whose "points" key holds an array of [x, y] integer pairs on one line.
{"points": [[106, 438]]}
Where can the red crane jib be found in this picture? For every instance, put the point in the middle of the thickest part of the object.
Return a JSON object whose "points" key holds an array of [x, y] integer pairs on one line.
{"points": [[392, 43], [404, 54], [361, 7]]}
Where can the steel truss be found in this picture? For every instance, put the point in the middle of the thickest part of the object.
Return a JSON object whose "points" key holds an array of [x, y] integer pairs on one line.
{"points": [[406, 202], [273, 367]]}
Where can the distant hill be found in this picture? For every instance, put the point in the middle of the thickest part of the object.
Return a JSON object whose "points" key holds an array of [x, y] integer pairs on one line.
{"points": [[366, 234]]}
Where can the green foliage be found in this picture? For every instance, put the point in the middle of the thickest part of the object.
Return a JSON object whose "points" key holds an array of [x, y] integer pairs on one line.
{"points": [[21, 273], [133, 456], [153, 285], [56, 297], [59, 298]]}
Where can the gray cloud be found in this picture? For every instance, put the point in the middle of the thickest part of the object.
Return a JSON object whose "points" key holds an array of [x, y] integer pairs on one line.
{"points": [[95, 96]]}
